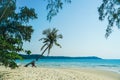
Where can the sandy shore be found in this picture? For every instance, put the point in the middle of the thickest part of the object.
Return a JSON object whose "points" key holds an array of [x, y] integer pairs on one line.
{"points": [[39, 73]]}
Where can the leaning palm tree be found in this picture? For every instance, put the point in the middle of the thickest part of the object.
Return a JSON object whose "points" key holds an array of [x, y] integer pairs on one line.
{"points": [[50, 39]]}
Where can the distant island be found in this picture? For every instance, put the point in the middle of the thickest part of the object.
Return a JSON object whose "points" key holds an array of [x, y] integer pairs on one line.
{"points": [[34, 56]]}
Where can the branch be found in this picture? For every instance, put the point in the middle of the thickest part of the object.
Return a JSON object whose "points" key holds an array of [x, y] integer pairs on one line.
{"points": [[4, 10]]}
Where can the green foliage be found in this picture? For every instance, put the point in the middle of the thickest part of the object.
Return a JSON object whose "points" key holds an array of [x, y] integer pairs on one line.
{"points": [[54, 6], [110, 9], [28, 52], [13, 31], [26, 14], [51, 37]]}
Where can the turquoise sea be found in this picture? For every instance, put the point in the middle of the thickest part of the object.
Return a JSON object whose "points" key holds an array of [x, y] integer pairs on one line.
{"points": [[107, 64]]}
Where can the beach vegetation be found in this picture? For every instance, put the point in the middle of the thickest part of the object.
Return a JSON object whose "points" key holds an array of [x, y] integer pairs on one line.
{"points": [[50, 39], [14, 30], [110, 10]]}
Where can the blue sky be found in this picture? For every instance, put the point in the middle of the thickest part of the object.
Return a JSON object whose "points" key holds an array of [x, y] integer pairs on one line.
{"points": [[83, 33]]}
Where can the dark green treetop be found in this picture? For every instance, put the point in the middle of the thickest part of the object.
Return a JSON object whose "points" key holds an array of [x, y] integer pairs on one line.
{"points": [[14, 29]]}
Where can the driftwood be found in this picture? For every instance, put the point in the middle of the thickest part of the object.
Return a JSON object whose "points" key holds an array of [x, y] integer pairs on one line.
{"points": [[31, 63]]}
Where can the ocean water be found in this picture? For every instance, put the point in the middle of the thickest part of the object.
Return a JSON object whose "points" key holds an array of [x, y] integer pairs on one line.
{"points": [[107, 64]]}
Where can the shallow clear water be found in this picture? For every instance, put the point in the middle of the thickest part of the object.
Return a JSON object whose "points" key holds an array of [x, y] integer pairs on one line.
{"points": [[109, 64]]}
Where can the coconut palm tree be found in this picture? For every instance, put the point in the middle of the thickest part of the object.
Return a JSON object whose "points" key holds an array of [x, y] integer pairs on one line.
{"points": [[50, 39]]}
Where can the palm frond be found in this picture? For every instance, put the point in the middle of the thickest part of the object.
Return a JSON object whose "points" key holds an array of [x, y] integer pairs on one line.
{"points": [[59, 36], [42, 39], [48, 51], [54, 31], [49, 48], [46, 32], [43, 46], [57, 44], [45, 40]]}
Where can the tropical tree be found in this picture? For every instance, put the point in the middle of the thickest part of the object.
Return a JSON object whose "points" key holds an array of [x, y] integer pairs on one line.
{"points": [[14, 30], [53, 7], [50, 39], [110, 9]]}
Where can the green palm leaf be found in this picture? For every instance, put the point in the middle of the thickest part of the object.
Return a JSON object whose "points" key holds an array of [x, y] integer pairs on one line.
{"points": [[44, 46], [57, 44]]}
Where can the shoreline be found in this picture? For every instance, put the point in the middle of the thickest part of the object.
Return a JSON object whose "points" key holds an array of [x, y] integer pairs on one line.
{"points": [[41, 73]]}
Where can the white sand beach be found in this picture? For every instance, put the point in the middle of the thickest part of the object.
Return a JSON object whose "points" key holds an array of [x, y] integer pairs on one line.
{"points": [[29, 73]]}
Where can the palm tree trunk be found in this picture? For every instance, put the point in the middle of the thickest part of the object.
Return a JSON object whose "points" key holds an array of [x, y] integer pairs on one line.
{"points": [[33, 62]]}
